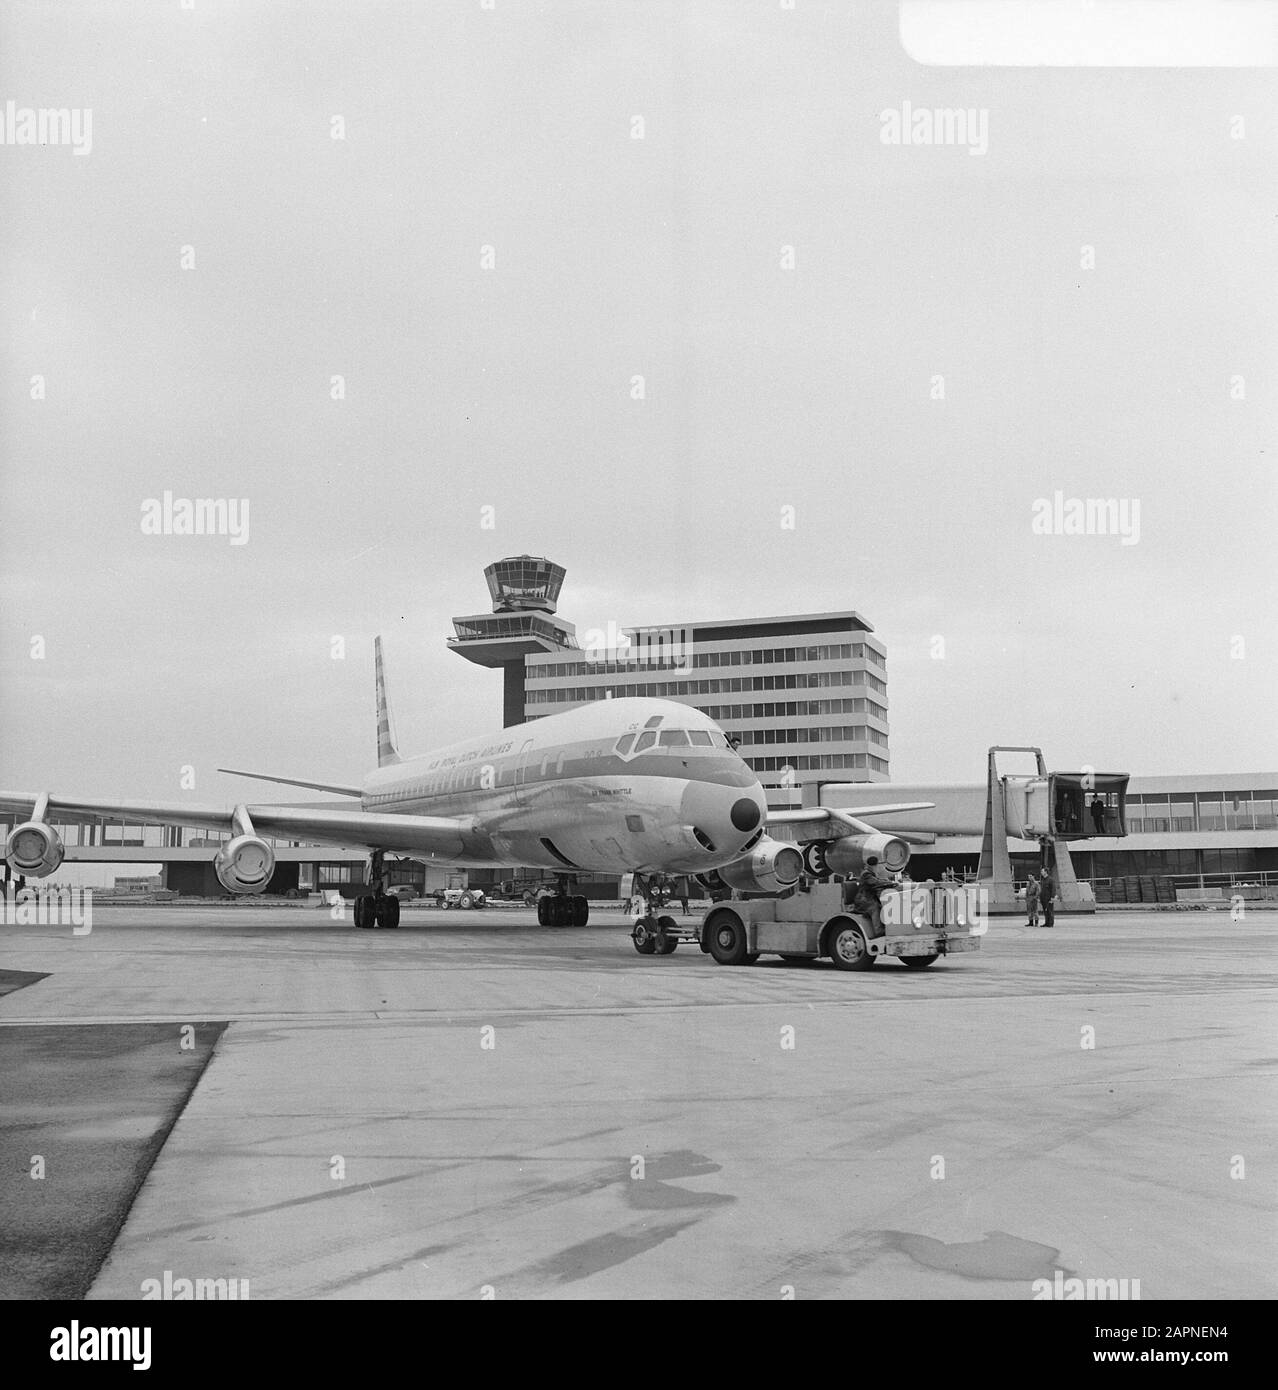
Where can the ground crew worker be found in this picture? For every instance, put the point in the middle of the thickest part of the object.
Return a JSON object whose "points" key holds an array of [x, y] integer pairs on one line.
{"points": [[1047, 888], [874, 879], [1032, 891]]}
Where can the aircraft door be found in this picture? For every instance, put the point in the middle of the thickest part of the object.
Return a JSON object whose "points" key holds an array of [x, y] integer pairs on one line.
{"points": [[523, 763]]}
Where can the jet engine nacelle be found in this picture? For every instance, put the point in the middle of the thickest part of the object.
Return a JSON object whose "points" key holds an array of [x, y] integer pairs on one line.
{"points": [[847, 856], [770, 867], [34, 849], [244, 864]]}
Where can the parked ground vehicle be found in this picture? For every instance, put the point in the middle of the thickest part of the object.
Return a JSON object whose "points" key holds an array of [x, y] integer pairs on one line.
{"points": [[465, 898], [524, 890], [919, 924]]}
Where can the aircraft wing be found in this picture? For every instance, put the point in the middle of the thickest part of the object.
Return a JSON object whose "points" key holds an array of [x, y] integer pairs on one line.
{"points": [[431, 835], [816, 814], [841, 819]]}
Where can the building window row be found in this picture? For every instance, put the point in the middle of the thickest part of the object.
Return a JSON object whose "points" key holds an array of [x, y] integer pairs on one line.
{"points": [[518, 625], [839, 651], [783, 709], [806, 680], [1162, 813], [818, 762], [1189, 862], [835, 734]]}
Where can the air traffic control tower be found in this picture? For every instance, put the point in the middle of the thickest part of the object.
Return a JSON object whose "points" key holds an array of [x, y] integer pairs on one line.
{"points": [[525, 590]]}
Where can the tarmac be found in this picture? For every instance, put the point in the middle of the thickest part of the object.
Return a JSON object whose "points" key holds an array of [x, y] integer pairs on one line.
{"points": [[474, 1106]]}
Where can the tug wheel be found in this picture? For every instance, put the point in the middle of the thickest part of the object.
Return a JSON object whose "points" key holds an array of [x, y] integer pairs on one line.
{"points": [[847, 947], [727, 936]]}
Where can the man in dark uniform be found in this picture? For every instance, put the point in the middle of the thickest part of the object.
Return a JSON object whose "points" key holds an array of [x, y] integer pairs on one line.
{"points": [[1098, 813], [874, 879], [1032, 891], [1047, 892]]}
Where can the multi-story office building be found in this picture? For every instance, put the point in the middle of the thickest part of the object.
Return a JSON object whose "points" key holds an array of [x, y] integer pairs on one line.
{"points": [[804, 696]]}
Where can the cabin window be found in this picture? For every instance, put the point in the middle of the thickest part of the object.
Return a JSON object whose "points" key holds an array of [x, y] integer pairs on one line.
{"points": [[646, 740]]}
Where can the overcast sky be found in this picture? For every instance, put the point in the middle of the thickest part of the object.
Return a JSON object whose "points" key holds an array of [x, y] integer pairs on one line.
{"points": [[511, 387]]}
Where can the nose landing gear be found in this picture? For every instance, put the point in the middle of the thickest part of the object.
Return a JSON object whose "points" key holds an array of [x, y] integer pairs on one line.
{"points": [[655, 935]]}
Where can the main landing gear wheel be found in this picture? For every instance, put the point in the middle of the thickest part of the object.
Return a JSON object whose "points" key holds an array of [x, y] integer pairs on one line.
{"points": [[645, 941], [376, 908], [665, 942], [563, 911], [848, 949], [918, 962]]}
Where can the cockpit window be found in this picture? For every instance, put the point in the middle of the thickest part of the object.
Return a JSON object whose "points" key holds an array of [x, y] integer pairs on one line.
{"points": [[646, 740], [654, 721], [719, 738], [673, 738], [623, 744], [700, 737]]}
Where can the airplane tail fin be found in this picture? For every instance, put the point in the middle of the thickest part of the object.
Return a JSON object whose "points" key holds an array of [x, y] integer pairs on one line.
{"points": [[387, 751]]}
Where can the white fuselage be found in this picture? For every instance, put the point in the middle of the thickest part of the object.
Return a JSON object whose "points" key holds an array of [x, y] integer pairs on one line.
{"points": [[612, 787]]}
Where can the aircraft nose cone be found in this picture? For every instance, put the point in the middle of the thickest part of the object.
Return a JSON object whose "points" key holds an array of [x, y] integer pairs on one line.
{"points": [[744, 814]]}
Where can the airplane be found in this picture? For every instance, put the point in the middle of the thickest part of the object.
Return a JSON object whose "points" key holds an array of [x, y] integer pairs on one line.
{"points": [[629, 786]]}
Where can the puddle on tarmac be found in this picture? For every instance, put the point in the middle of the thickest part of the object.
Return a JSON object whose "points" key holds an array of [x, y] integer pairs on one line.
{"points": [[997, 1256]]}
